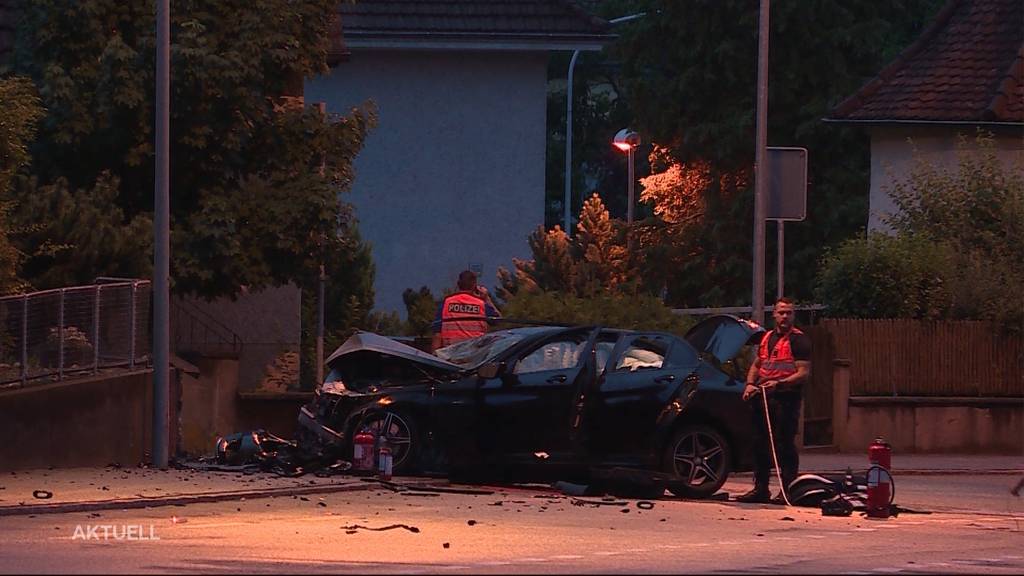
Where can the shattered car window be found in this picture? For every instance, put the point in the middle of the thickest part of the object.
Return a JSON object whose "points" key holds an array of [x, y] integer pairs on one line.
{"points": [[475, 351]]}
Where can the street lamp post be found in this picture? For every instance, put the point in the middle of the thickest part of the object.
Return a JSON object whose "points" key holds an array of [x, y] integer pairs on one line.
{"points": [[161, 252], [627, 141], [760, 165], [567, 199]]}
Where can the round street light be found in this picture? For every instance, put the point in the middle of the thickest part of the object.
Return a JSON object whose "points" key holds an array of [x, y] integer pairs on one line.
{"points": [[627, 140]]}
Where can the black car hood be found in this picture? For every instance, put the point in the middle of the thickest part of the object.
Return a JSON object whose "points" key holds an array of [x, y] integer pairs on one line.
{"points": [[723, 336], [368, 341]]}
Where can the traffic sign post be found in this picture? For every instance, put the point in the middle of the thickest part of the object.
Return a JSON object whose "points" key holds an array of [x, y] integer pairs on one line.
{"points": [[787, 195]]}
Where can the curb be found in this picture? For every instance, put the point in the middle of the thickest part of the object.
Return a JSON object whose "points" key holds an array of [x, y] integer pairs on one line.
{"points": [[158, 501]]}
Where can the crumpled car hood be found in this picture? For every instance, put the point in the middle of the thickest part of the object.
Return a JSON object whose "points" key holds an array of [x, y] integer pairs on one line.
{"points": [[724, 336], [368, 341]]}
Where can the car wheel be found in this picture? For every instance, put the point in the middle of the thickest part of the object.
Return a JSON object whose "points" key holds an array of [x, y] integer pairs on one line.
{"points": [[399, 432], [698, 456]]}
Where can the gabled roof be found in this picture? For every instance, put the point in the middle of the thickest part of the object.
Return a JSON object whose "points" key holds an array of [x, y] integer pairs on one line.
{"points": [[967, 67], [471, 24]]}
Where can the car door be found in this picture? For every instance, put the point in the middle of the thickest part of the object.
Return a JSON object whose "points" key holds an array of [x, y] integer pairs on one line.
{"points": [[643, 375], [528, 409]]}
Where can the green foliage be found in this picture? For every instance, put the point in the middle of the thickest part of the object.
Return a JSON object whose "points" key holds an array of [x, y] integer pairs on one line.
{"points": [[884, 276], [421, 308], [78, 235], [21, 112], [254, 178], [958, 250], [641, 312], [688, 82], [594, 261]]}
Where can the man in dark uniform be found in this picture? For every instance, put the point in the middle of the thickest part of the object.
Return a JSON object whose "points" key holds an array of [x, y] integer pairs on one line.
{"points": [[782, 365]]}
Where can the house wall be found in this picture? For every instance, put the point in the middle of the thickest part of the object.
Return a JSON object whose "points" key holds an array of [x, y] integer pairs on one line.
{"points": [[892, 158], [453, 175]]}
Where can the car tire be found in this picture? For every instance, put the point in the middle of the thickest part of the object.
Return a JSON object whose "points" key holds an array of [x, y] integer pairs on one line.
{"points": [[698, 457], [401, 436]]}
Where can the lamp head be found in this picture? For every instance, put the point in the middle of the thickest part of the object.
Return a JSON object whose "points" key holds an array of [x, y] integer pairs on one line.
{"points": [[626, 140]]}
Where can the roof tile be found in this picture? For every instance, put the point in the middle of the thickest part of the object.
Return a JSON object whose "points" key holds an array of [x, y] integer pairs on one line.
{"points": [[967, 66]]}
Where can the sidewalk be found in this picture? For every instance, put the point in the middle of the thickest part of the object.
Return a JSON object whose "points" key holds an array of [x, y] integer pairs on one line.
{"points": [[930, 464], [89, 489]]}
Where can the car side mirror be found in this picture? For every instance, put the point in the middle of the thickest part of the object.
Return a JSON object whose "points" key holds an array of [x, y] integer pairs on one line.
{"points": [[491, 370]]}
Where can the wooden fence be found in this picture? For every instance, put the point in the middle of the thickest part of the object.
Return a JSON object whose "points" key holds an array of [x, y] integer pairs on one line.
{"points": [[929, 358]]}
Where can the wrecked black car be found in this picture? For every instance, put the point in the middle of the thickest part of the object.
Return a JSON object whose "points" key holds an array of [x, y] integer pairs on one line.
{"points": [[547, 399]]}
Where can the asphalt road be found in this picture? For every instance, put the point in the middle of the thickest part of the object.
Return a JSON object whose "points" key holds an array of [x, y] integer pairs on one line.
{"points": [[975, 527]]}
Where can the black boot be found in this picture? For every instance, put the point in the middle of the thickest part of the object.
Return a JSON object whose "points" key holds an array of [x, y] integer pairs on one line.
{"points": [[759, 495]]}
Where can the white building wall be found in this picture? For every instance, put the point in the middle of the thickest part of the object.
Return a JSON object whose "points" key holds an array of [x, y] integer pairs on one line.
{"points": [[453, 175], [892, 159]]}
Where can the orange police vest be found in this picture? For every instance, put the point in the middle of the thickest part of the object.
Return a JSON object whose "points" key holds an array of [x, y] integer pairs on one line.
{"points": [[462, 317], [780, 362]]}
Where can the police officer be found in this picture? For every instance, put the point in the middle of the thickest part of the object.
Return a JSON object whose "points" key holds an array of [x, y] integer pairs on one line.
{"points": [[782, 365], [464, 314]]}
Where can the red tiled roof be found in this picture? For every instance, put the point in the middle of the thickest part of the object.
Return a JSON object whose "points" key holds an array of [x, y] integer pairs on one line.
{"points": [[968, 66], [470, 19]]}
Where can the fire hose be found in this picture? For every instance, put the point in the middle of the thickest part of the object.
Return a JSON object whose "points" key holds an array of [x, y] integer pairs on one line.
{"points": [[771, 442], [874, 470]]}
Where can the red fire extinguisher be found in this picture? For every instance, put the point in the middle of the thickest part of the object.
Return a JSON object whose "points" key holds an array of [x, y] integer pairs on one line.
{"points": [[384, 462], [362, 451], [879, 503]]}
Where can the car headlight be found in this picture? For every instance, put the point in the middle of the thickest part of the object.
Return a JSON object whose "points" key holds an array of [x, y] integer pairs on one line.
{"points": [[333, 387]]}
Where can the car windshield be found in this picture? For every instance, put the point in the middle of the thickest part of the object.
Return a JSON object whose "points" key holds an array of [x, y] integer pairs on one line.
{"points": [[476, 351]]}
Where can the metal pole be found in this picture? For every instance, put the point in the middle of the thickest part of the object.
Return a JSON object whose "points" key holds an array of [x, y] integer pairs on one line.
{"points": [[131, 328], [161, 266], [760, 166], [567, 200], [779, 292], [96, 329], [24, 341], [629, 209], [60, 347], [322, 106]]}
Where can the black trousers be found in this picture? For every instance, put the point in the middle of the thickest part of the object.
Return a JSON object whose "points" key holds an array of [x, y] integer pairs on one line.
{"points": [[784, 409]]}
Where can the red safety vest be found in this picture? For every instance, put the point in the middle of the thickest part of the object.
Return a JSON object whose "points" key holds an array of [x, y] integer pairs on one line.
{"points": [[780, 362], [462, 317]]}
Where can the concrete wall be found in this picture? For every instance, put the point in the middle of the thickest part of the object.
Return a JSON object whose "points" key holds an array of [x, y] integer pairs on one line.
{"points": [[212, 405], [453, 176], [925, 424], [269, 325], [84, 422], [892, 158]]}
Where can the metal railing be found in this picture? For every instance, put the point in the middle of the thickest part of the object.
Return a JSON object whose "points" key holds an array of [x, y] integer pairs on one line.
{"points": [[194, 330], [55, 333]]}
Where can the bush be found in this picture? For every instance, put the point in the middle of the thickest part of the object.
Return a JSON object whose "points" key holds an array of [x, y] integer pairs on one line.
{"points": [[886, 277], [641, 312], [957, 253]]}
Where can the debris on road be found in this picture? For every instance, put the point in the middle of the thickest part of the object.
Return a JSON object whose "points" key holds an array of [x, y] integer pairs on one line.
{"points": [[352, 529], [42, 494]]}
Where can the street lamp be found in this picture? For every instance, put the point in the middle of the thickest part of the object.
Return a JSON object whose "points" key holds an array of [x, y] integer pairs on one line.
{"points": [[627, 141], [567, 201]]}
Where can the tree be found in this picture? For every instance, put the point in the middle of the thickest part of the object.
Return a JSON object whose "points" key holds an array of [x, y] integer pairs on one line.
{"points": [[22, 110], [688, 83], [593, 262], [255, 179]]}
